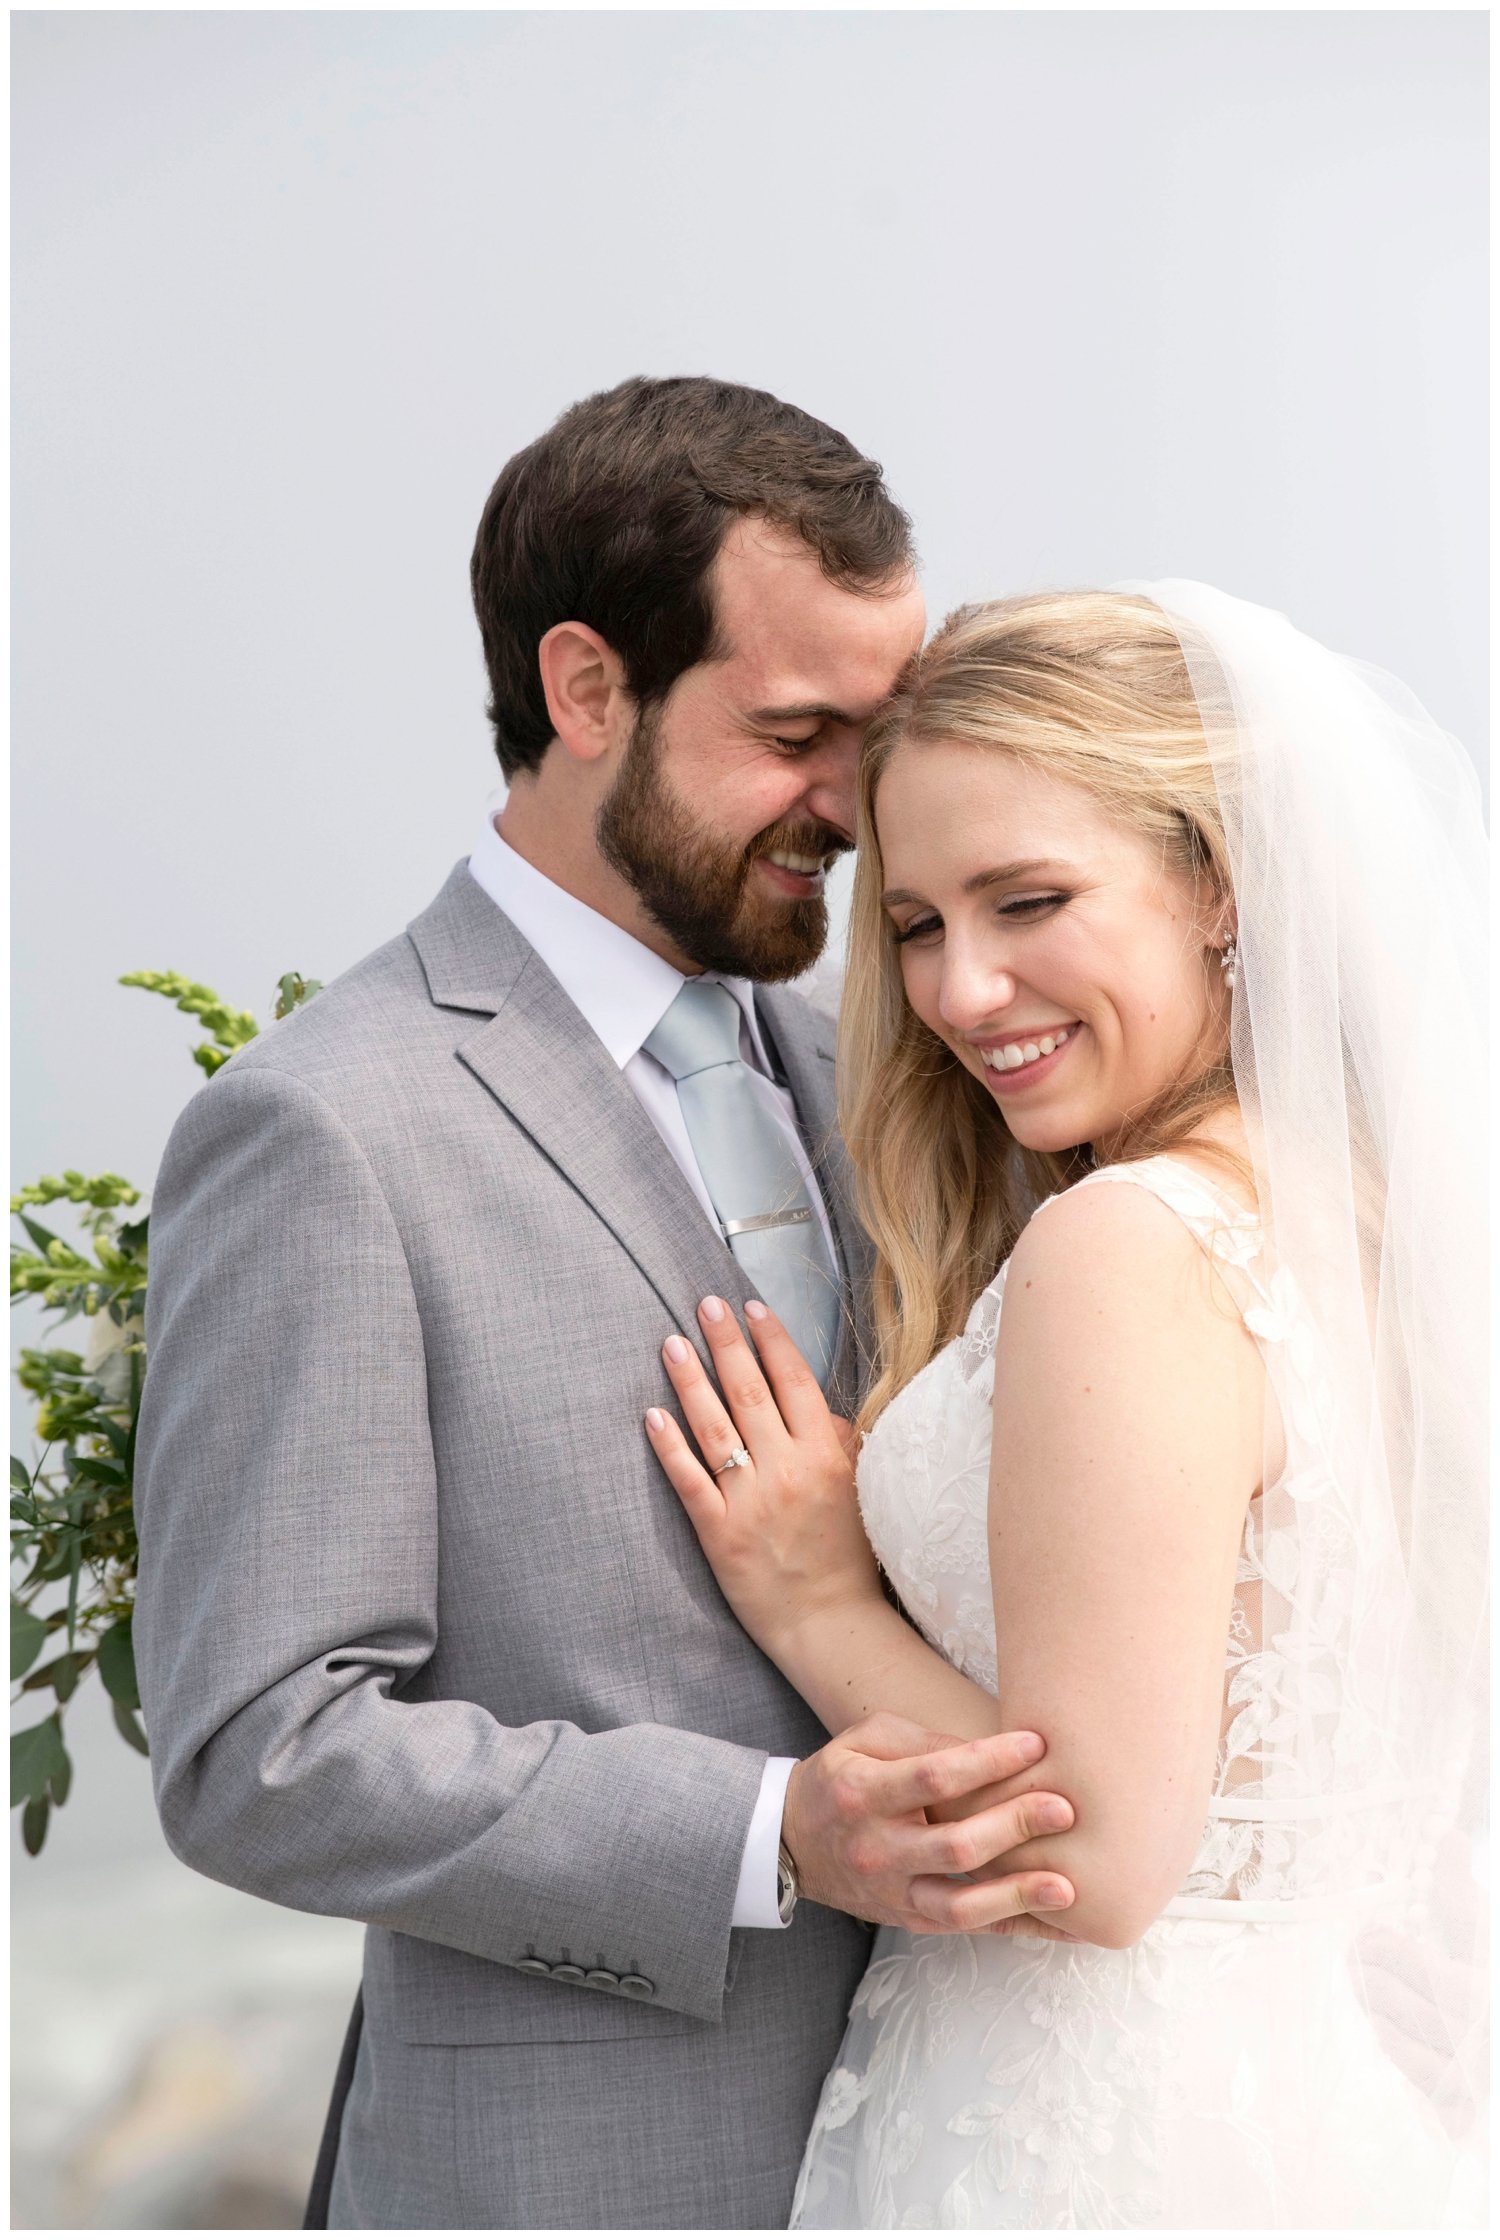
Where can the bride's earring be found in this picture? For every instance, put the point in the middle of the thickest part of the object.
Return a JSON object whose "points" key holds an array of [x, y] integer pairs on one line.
{"points": [[1229, 963]]}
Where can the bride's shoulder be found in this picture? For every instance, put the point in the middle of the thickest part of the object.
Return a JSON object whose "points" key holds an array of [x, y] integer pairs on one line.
{"points": [[1128, 1231], [1126, 1287], [1102, 1219], [1109, 1287]]}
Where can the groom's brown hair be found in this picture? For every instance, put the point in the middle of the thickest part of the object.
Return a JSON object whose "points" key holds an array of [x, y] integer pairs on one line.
{"points": [[615, 516]]}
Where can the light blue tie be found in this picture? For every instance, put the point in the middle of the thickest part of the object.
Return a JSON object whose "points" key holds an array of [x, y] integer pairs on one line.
{"points": [[749, 1168]]}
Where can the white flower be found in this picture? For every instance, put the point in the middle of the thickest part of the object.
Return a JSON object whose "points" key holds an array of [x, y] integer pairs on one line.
{"points": [[1051, 1993], [841, 2096], [105, 1359], [1068, 2122]]}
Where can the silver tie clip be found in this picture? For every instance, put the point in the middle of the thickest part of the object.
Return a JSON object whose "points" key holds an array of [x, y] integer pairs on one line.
{"points": [[768, 1221]]}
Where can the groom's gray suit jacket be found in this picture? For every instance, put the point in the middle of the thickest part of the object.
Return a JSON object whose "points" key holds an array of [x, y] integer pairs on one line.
{"points": [[424, 1636]]}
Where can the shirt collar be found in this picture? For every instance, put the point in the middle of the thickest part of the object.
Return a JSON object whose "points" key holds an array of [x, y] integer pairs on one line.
{"points": [[621, 987]]}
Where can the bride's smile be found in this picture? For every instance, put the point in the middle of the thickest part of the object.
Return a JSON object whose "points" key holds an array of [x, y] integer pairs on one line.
{"points": [[1021, 1058], [1068, 962]]}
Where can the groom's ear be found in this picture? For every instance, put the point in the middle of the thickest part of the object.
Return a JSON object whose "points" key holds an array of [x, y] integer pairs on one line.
{"points": [[584, 680]]}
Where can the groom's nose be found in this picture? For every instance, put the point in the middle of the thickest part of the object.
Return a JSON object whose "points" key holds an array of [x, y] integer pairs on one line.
{"points": [[830, 795]]}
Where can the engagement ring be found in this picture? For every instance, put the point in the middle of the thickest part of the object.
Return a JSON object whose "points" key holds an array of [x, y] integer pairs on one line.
{"points": [[739, 1460]]}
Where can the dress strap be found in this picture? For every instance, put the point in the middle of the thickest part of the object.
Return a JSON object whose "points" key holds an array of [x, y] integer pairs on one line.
{"points": [[1227, 1231]]}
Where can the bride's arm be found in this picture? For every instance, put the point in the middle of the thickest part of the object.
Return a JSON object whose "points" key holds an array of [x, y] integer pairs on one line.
{"points": [[1129, 1439], [1128, 1407], [786, 1545]]}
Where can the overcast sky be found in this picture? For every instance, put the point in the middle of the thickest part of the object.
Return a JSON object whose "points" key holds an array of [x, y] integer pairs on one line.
{"points": [[1109, 295]]}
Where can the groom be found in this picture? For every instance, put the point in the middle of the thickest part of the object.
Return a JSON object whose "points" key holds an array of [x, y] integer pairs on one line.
{"points": [[425, 1639]]}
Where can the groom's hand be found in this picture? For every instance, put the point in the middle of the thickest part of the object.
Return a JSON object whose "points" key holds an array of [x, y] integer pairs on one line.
{"points": [[856, 1826]]}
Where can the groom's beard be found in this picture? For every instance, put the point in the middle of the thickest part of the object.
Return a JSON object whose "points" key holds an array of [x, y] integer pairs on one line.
{"points": [[697, 886]]}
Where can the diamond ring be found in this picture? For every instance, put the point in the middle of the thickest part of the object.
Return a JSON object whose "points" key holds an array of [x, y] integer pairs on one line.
{"points": [[739, 1460]]}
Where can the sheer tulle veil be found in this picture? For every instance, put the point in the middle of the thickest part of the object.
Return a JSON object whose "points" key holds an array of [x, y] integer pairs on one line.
{"points": [[1358, 1040]]}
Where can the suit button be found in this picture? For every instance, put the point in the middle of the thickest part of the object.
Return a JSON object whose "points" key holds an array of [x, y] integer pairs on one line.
{"points": [[566, 1972], [602, 1979], [638, 1987], [531, 1966]]}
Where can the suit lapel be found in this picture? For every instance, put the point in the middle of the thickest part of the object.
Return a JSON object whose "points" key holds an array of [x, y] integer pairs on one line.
{"points": [[539, 1059], [554, 1076]]}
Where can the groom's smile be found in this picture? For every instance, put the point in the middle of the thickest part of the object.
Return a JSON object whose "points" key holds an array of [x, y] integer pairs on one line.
{"points": [[735, 794], [724, 906], [798, 876]]}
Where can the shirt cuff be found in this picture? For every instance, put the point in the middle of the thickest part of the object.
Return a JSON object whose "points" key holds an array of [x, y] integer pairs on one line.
{"points": [[755, 1898]]}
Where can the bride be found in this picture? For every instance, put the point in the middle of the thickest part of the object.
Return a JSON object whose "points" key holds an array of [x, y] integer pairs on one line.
{"points": [[1162, 1075]]}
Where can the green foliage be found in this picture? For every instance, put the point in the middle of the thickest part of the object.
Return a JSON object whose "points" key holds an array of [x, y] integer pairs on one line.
{"points": [[73, 1540], [117, 1665], [28, 1638], [292, 989], [228, 1030], [37, 1759]]}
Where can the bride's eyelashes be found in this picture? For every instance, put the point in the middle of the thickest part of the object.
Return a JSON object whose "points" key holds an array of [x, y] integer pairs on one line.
{"points": [[1020, 906], [1031, 905]]}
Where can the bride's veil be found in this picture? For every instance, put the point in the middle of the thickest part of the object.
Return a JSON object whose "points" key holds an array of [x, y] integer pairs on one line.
{"points": [[1358, 1040], [1355, 1752]]}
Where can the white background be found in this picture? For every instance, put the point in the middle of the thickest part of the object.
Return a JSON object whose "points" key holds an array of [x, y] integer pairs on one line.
{"points": [[1112, 295]]}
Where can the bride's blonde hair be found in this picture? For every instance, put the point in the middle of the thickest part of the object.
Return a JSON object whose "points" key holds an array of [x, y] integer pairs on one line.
{"points": [[1087, 686]]}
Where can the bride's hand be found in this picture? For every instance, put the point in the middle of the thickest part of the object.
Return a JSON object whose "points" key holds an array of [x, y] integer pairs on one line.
{"points": [[782, 1532]]}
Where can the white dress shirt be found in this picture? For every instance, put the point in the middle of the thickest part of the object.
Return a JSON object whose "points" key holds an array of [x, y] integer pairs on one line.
{"points": [[623, 989]]}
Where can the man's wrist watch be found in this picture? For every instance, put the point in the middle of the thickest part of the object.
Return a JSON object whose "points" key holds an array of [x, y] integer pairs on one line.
{"points": [[786, 1885]]}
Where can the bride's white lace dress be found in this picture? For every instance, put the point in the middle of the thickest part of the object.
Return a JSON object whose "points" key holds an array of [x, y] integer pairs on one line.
{"points": [[1224, 2071]]}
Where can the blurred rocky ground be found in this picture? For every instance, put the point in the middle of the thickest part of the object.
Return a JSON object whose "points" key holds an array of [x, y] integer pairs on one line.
{"points": [[173, 2042]]}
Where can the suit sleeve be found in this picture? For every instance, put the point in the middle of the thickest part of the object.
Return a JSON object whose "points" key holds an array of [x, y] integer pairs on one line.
{"points": [[287, 1508]]}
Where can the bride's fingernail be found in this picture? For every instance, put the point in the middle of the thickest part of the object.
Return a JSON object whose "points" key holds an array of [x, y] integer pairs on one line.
{"points": [[1051, 1894], [676, 1349], [755, 1310], [655, 1418], [712, 1310]]}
